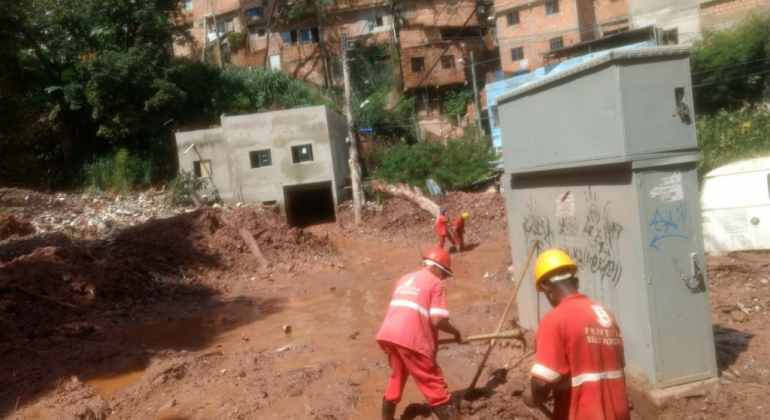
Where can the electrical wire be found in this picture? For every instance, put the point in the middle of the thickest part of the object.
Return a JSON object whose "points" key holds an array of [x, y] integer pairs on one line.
{"points": [[730, 79]]}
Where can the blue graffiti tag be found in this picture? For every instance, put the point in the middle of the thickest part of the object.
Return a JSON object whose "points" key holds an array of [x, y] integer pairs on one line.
{"points": [[665, 225]]}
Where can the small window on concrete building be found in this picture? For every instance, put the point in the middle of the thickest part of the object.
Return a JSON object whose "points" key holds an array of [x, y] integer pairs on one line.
{"points": [[188, 4], [512, 18], [376, 22], [300, 154], [202, 168], [256, 32], [448, 62], [557, 43], [260, 158], [552, 7], [225, 26], [517, 53], [418, 64], [305, 36], [671, 37]]}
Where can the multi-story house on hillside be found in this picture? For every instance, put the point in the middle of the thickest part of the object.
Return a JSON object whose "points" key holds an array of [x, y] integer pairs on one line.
{"points": [[529, 30], [432, 40]]}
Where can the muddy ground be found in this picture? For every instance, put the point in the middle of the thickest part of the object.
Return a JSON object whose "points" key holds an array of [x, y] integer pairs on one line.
{"points": [[176, 319]]}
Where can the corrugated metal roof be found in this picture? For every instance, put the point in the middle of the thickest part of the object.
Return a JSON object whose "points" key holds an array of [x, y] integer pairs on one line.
{"points": [[615, 55]]}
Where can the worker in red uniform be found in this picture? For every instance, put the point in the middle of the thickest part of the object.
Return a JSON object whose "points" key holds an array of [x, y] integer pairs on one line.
{"points": [[442, 228], [579, 349], [408, 336], [459, 225]]}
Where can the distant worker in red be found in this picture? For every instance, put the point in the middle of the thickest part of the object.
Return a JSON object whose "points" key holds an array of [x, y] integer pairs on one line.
{"points": [[442, 228], [459, 225], [579, 349], [408, 336]]}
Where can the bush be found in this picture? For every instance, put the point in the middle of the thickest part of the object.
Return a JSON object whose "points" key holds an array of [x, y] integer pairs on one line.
{"points": [[120, 172], [456, 104], [457, 163], [728, 137], [185, 183]]}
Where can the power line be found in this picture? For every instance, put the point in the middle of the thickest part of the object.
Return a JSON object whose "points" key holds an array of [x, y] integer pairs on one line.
{"points": [[731, 65], [730, 79]]}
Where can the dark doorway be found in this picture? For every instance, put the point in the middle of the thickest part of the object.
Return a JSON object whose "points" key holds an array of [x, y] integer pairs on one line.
{"points": [[309, 204]]}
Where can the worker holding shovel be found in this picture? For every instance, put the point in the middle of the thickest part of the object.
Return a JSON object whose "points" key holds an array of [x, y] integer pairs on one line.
{"points": [[443, 229], [579, 349], [418, 310]]}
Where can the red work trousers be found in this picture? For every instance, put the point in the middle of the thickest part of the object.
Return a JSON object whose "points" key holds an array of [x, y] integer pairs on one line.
{"points": [[425, 371], [459, 238], [443, 238]]}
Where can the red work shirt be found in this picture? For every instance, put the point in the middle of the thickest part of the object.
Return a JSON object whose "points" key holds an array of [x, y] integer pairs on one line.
{"points": [[441, 222], [459, 225], [580, 352], [418, 297]]}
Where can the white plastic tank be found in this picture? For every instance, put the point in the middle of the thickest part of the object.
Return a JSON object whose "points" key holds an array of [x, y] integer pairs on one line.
{"points": [[735, 205]]}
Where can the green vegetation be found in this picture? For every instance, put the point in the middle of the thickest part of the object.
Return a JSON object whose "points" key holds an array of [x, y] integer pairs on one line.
{"points": [[185, 183], [371, 74], [85, 78], [727, 66], [730, 136], [457, 163], [731, 85], [120, 172], [456, 104]]}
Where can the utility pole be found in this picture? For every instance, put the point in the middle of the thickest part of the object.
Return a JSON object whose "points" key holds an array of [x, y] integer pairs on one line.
{"points": [[216, 32], [476, 97], [355, 170]]}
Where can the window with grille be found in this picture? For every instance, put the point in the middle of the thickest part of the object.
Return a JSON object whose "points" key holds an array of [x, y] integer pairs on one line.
{"points": [[552, 8], [448, 62], [512, 18], [517, 54], [303, 153], [418, 64], [260, 158], [557, 43]]}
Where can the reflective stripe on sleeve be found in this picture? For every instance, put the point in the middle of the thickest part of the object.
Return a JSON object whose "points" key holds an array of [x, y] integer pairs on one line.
{"points": [[595, 377], [545, 373], [437, 311], [408, 304]]}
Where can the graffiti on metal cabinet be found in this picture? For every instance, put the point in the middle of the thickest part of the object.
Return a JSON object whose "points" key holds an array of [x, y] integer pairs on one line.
{"points": [[592, 243], [600, 252], [669, 223], [537, 226]]}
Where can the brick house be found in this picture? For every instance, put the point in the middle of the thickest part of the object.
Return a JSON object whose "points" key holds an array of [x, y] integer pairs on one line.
{"points": [[529, 30], [722, 14]]}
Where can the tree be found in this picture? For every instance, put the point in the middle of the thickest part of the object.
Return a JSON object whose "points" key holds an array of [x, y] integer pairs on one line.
{"points": [[728, 65]]}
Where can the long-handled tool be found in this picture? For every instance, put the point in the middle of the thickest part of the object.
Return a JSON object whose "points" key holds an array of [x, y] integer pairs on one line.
{"points": [[503, 318], [513, 334]]}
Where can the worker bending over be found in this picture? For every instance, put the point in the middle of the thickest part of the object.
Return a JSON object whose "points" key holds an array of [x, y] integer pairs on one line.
{"points": [[442, 228], [459, 225], [579, 349], [408, 335]]}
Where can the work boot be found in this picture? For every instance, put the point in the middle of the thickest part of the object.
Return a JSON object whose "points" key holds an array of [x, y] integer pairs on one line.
{"points": [[388, 410], [447, 411]]}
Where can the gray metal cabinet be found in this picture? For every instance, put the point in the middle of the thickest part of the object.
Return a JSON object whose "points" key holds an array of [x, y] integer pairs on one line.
{"points": [[600, 162]]}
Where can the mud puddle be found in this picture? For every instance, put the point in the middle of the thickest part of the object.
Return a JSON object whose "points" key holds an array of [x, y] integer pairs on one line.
{"points": [[108, 385]]}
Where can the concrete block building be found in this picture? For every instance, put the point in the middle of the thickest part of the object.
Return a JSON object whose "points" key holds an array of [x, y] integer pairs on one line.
{"points": [[296, 158]]}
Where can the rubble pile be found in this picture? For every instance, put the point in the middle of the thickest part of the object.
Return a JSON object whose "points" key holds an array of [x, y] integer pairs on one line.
{"points": [[81, 216], [398, 220]]}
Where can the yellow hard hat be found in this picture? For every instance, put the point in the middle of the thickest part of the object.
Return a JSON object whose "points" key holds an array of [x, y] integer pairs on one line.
{"points": [[465, 216], [550, 261]]}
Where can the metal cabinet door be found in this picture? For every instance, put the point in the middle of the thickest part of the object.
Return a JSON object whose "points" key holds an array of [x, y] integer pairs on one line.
{"points": [[676, 276]]}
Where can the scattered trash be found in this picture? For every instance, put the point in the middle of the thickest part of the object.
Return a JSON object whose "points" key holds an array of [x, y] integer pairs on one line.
{"points": [[223, 371], [285, 348]]}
